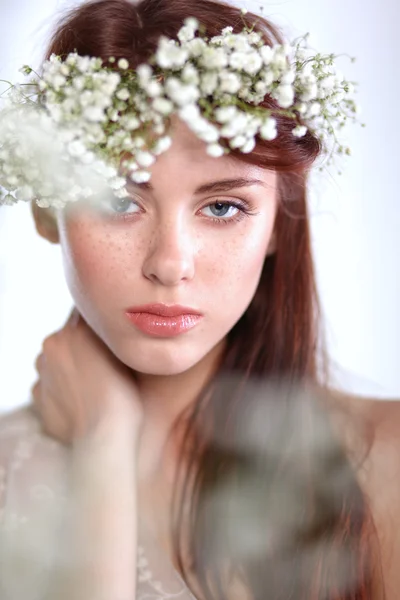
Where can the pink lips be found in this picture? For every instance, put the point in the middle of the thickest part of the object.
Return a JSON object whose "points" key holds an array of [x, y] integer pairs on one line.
{"points": [[160, 320]]}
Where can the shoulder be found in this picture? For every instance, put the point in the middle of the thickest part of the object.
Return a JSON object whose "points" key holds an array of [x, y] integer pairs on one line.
{"points": [[20, 431], [29, 459]]}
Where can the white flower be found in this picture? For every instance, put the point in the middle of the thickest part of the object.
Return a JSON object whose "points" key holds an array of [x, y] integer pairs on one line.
{"points": [[190, 112], [123, 94], [58, 81], [144, 159], [181, 93], [238, 60], [162, 145], [236, 126], [123, 64], [190, 74], [94, 114], [288, 77], [229, 82], [163, 106], [249, 146], [196, 47], [299, 131], [215, 150], [285, 95], [214, 58], [253, 63], [169, 55], [76, 148], [145, 73], [329, 83], [267, 54], [313, 110], [309, 93], [140, 176], [225, 114], [209, 83], [268, 130], [238, 141], [24, 193], [154, 89], [209, 133], [79, 83], [130, 122], [188, 32]]}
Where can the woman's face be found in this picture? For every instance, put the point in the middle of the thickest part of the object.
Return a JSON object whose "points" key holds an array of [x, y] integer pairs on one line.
{"points": [[182, 240]]}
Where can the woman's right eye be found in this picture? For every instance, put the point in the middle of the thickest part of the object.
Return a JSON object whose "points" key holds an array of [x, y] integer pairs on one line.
{"points": [[116, 206]]}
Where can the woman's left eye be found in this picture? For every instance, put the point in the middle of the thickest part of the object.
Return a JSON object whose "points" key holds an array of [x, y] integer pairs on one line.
{"points": [[225, 211]]}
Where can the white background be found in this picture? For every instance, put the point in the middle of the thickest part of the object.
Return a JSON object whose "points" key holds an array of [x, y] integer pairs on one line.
{"points": [[356, 216]]}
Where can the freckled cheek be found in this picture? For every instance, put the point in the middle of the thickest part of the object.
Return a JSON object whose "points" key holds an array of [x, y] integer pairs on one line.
{"points": [[96, 261], [236, 264]]}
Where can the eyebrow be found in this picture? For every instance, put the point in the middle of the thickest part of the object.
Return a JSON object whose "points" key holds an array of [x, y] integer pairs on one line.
{"points": [[224, 185]]}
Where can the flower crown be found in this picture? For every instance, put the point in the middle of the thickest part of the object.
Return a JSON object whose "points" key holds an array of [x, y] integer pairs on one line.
{"points": [[67, 132]]}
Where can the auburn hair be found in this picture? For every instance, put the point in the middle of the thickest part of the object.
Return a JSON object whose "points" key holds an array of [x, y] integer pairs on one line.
{"points": [[273, 354]]}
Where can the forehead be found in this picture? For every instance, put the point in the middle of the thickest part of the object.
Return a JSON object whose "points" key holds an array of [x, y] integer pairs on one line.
{"points": [[187, 162]]}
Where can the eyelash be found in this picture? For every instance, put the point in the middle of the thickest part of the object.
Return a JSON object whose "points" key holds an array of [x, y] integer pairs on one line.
{"points": [[245, 210]]}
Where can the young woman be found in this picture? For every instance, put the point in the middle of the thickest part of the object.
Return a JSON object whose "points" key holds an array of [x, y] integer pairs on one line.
{"points": [[181, 420]]}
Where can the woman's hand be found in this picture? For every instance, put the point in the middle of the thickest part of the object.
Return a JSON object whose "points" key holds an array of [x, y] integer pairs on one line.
{"points": [[82, 385], [88, 399]]}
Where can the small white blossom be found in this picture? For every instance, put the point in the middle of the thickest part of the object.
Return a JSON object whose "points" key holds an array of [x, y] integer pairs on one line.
{"points": [[253, 63], [144, 159], [225, 114], [267, 54], [285, 95], [162, 145], [215, 150], [299, 131], [229, 82], [140, 176], [268, 130], [163, 106], [169, 55], [209, 83], [249, 146], [214, 58], [123, 94], [123, 64], [94, 114], [145, 73]]}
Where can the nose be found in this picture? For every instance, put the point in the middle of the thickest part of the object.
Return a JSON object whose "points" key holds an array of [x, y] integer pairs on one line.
{"points": [[170, 257]]}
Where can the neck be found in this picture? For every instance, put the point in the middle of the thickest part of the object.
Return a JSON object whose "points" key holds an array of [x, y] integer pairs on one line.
{"points": [[164, 398]]}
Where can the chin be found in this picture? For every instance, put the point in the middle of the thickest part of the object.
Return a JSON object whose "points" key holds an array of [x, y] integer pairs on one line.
{"points": [[160, 364]]}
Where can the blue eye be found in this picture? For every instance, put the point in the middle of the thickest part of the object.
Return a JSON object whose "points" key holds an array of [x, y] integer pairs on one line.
{"points": [[222, 209], [121, 205]]}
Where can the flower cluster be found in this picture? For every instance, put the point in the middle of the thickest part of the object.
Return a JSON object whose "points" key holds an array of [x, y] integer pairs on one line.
{"points": [[73, 128]]}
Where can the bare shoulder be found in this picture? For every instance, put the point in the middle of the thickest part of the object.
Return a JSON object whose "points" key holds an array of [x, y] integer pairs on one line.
{"points": [[379, 476], [382, 415]]}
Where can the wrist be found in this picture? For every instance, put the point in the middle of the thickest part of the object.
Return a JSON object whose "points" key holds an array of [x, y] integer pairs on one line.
{"points": [[112, 429]]}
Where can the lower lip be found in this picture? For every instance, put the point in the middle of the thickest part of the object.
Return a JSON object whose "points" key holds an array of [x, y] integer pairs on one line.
{"points": [[163, 327]]}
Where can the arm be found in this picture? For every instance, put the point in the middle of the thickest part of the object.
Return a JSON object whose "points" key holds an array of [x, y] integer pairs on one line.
{"points": [[99, 561]]}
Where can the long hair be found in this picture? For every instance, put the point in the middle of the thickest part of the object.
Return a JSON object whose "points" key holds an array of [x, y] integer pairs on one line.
{"points": [[272, 356]]}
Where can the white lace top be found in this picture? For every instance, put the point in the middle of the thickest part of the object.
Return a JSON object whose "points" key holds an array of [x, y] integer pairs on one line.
{"points": [[33, 470]]}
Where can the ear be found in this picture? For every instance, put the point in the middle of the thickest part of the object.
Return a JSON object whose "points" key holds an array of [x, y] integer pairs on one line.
{"points": [[272, 246], [46, 223]]}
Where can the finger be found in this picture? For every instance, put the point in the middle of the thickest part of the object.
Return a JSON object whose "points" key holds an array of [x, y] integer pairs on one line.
{"points": [[73, 318], [36, 394], [39, 362]]}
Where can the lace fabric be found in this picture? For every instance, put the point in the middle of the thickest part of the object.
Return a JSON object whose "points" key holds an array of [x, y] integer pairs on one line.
{"points": [[33, 494]]}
